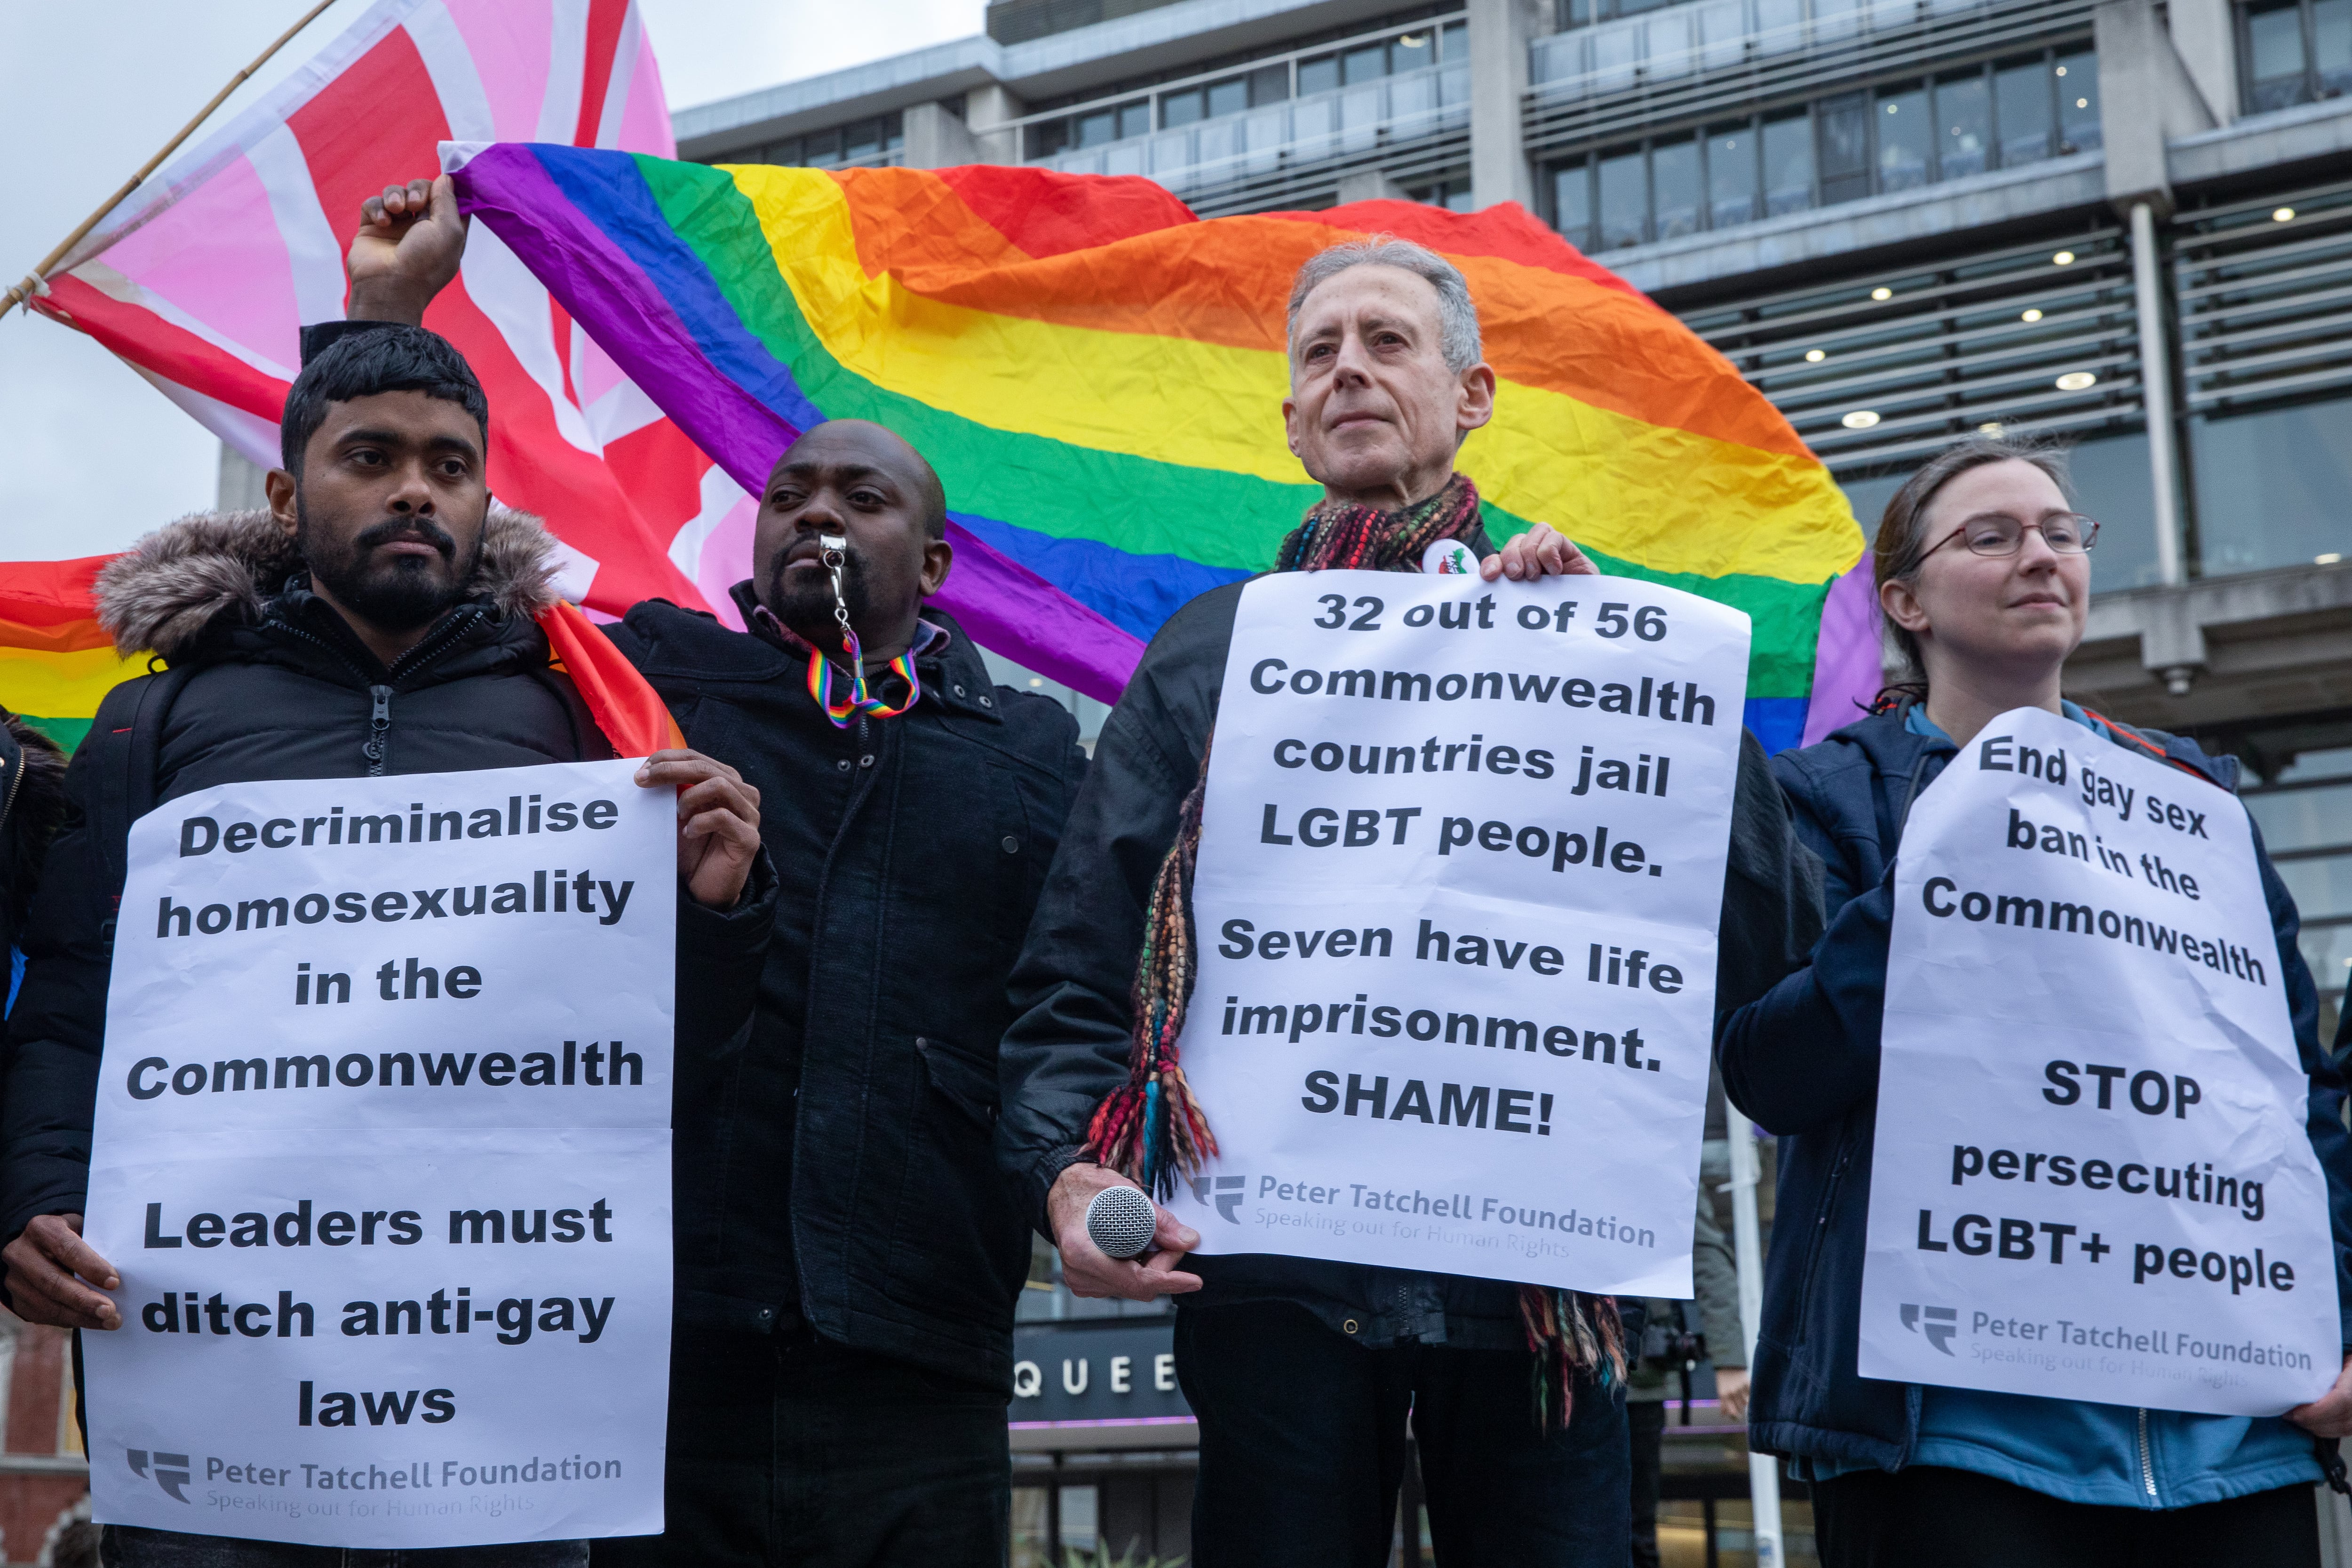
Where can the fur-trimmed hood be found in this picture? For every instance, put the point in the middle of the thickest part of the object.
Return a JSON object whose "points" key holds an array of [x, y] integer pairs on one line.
{"points": [[160, 595]]}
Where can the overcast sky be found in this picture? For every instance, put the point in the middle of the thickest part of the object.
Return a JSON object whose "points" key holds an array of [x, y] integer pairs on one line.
{"points": [[91, 456]]}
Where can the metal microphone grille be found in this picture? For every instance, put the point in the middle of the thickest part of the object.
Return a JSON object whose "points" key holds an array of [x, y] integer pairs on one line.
{"points": [[1120, 1220]]}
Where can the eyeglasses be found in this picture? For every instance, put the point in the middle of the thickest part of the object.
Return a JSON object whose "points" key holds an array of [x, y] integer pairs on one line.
{"points": [[1997, 534]]}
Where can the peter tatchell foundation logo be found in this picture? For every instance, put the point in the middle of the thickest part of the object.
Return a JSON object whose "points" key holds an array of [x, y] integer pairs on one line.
{"points": [[169, 1471], [1941, 1323], [1226, 1193]]}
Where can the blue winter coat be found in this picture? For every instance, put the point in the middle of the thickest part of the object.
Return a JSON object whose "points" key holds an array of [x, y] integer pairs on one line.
{"points": [[1802, 1061]]}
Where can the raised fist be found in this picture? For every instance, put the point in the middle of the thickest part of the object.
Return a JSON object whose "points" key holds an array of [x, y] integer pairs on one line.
{"points": [[410, 241]]}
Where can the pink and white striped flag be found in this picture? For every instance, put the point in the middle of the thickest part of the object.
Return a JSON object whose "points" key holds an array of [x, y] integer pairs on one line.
{"points": [[203, 280]]}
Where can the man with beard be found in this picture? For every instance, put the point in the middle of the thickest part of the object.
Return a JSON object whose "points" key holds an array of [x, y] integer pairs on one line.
{"points": [[848, 1257], [1305, 1373], [380, 618]]}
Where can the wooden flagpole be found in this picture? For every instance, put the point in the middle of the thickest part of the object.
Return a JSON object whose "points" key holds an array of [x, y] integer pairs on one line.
{"points": [[32, 281]]}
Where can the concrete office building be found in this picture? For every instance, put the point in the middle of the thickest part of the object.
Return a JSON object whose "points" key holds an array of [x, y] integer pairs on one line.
{"points": [[2124, 223]]}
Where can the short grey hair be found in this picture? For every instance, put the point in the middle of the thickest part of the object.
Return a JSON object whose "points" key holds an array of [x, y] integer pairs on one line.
{"points": [[1457, 316]]}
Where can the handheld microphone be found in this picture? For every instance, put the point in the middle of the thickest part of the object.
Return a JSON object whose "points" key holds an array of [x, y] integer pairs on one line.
{"points": [[1120, 1221]]}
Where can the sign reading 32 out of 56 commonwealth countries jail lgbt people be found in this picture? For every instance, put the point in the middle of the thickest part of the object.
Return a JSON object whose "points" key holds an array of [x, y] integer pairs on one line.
{"points": [[381, 1152], [2093, 1179], [1462, 856]]}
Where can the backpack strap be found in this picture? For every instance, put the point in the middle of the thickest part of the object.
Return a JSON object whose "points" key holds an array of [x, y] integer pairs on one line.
{"points": [[121, 751], [2128, 736]]}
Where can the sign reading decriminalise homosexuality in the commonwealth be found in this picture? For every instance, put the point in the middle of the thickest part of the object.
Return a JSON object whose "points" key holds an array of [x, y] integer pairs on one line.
{"points": [[2093, 1179], [381, 1152], [1462, 856]]}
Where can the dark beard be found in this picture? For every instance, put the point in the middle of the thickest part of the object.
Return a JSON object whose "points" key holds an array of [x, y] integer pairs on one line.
{"points": [[397, 596], [805, 605]]}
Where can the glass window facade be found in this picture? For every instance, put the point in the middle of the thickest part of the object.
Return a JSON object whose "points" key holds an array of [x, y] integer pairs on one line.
{"points": [[1899, 137], [1906, 140], [877, 140], [1251, 87], [1675, 188], [2293, 51], [2271, 487], [2113, 482], [2028, 109], [2261, 281], [1624, 200], [2304, 813], [1731, 176], [1787, 146], [1963, 125], [1113, 1512]]}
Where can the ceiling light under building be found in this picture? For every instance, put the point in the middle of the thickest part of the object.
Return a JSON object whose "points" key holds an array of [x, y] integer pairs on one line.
{"points": [[1815, 356], [2282, 214], [1860, 419], [2063, 258], [2330, 559], [1882, 293], [2031, 316], [2077, 381], [1989, 427]]}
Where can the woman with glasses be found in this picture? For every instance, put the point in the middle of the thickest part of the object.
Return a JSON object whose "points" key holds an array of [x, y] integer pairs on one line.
{"points": [[1984, 576]]}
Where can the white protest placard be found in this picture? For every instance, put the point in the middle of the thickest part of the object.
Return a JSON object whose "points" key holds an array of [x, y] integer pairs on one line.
{"points": [[1462, 858], [381, 1152], [2092, 1178]]}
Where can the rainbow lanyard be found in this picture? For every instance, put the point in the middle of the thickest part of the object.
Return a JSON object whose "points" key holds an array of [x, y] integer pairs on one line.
{"points": [[822, 674]]}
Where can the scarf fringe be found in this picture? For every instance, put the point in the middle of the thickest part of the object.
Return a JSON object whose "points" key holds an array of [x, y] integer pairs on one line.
{"points": [[1570, 1334], [1153, 1131]]}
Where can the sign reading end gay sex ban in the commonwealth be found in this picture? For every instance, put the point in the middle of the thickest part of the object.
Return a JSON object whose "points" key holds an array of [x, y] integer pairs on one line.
{"points": [[2093, 1178], [381, 1152], [1461, 859]]}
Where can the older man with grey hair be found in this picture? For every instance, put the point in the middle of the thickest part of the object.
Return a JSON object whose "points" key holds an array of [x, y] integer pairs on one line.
{"points": [[1303, 1372]]}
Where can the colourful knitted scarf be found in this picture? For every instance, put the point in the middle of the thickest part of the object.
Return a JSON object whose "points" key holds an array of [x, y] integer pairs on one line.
{"points": [[1152, 1130]]}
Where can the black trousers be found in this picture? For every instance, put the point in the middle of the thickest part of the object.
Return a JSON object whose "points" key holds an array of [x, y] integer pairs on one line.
{"points": [[795, 1450], [1645, 1422], [1303, 1451], [1930, 1517]]}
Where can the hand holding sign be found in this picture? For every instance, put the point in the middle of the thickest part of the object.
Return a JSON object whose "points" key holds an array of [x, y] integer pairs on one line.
{"points": [[51, 1270], [1541, 550], [718, 823], [2329, 1415]]}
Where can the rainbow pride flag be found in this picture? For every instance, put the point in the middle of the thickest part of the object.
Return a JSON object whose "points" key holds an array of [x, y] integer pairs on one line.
{"points": [[55, 664], [1097, 376]]}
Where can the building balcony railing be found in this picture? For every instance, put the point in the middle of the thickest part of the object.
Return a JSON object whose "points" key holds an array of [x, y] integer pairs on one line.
{"points": [[1414, 125], [1695, 62], [1281, 128]]}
